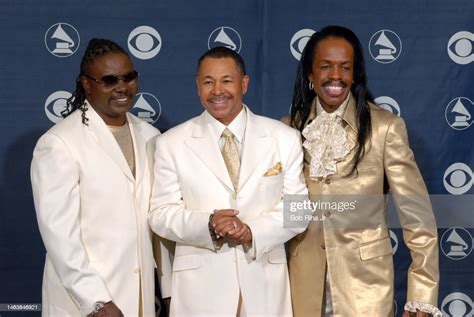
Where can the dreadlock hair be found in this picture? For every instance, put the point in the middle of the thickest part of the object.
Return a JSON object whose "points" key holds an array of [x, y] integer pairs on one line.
{"points": [[95, 48], [224, 52], [303, 96]]}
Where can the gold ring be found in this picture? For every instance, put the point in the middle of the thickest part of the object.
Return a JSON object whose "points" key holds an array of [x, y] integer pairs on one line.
{"points": [[234, 224]]}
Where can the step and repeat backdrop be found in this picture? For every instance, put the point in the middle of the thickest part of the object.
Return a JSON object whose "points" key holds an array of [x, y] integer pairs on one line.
{"points": [[420, 63]]}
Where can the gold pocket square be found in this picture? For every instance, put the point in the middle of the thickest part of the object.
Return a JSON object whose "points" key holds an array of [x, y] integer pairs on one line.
{"points": [[275, 170]]}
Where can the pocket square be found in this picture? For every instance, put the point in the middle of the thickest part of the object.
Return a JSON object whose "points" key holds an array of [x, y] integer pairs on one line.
{"points": [[275, 170]]}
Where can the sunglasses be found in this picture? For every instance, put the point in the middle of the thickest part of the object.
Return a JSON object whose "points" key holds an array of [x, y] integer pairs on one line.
{"points": [[110, 81]]}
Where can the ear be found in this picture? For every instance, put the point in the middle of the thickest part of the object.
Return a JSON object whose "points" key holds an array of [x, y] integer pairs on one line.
{"points": [[86, 85], [245, 83]]}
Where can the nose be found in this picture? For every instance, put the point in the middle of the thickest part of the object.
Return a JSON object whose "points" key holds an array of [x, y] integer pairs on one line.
{"points": [[121, 85], [335, 73], [217, 89]]}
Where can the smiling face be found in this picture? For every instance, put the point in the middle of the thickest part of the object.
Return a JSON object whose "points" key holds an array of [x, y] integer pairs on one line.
{"points": [[113, 103], [332, 72], [221, 87]]}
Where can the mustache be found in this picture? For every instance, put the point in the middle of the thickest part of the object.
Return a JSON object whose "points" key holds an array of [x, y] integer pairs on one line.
{"points": [[219, 98]]}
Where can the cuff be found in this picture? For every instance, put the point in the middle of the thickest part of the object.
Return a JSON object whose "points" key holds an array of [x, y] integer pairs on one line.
{"points": [[423, 307]]}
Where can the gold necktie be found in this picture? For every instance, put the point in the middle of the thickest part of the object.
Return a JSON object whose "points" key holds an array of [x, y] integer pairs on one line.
{"points": [[231, 157]]}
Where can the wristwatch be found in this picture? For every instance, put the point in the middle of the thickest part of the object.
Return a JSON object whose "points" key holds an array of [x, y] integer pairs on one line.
{"points": [[98, 306]]}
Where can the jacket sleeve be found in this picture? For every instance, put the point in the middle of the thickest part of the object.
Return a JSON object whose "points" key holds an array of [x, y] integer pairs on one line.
{"points": [[415, 213], [168, 216], [55, 179]]}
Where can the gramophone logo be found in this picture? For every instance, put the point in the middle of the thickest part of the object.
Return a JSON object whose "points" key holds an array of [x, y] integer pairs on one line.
{"points": [[147, 107], [225, 36], [389, 104], [298, 42], [62, 39], [460, 47], [456, 243], [385, 46], [458, 113]]}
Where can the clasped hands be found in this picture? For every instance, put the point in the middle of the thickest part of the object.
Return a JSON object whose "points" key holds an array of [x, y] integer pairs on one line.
{"points": [[229, 227]]}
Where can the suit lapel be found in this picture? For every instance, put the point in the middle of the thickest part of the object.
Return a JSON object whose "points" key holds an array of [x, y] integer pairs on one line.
{"points": [[349, 117], [256, 146], [107, 142], [206, 149]]}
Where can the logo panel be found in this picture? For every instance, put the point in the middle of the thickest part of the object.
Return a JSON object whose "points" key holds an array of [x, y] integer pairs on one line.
{"points": [[456, 243], [147, 107], [62, 39], [55, 103], [385, 46], [457, 179], [457, 304], [298, 42], [460, 48], [389, 104], [144, 42], [458, 113], [225, 36]]}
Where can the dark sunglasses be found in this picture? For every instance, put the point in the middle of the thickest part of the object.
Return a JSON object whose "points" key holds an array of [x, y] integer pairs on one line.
{"points": [[111, 81]]}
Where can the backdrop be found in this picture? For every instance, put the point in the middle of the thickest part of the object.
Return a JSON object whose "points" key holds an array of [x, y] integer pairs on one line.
{"points": [[420, 62]]}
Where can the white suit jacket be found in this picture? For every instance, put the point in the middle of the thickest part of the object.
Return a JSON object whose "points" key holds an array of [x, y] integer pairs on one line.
{"points": [[190, 181], [92, 215]]}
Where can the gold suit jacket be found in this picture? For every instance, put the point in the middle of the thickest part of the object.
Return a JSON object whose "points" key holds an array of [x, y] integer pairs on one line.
{"points": [[355, 247]]}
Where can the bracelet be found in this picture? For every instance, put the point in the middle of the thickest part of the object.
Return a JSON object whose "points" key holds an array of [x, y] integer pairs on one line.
{"points": [[97, 307]]}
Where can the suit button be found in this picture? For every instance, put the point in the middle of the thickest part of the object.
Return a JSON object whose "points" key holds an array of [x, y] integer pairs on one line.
{"points": [[327, 214], [327, 181], [137, 270], [323, 246]]}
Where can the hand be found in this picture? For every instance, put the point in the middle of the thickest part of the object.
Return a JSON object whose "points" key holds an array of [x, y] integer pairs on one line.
{"points": [[223, 221], [109, 310], [418, 313], [241, 234], [165, 310]]}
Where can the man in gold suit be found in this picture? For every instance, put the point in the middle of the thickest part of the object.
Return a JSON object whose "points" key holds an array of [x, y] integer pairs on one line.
{"points": [[342, 264]]}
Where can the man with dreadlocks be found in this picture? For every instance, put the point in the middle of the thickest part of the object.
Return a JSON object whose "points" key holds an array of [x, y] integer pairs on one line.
{"points": [[355, 152], [91, 185]]}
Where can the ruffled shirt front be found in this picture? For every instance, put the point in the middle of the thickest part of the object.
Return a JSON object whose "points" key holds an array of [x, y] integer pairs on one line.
{"points": [[326, 141]]}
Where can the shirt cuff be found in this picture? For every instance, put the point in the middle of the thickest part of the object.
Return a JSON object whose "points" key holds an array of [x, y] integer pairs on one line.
{"points": [[423, 307]]}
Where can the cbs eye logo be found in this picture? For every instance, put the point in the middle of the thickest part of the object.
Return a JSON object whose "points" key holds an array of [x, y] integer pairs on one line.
{"points": [[394, 241], [55, 103], [457, 304], [144, 42], [460, 48], [458, 179], [389, 104], [298, 42]]}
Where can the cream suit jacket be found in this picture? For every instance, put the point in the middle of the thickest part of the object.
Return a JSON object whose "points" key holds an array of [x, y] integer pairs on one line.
{"points": [[191, 180], [92, 215], [355, 247]]}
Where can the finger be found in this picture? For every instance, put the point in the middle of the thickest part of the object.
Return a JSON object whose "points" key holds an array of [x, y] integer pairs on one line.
{"points": [[238, 233], [224, 229], [225, 212]]}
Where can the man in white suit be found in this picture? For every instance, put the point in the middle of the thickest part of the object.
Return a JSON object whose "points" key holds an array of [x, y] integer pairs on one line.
{"points": [[91, 184], [220, 199]]}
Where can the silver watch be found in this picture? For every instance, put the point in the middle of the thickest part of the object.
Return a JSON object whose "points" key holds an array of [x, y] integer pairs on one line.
{"points": [[98, 306]]}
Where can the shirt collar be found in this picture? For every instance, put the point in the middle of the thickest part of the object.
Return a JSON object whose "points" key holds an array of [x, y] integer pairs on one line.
{"points": [[339, 111], [237, 126]]}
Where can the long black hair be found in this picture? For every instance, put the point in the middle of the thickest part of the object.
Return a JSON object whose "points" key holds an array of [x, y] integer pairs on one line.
{"points": [[95, 48], [303, 96]]}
